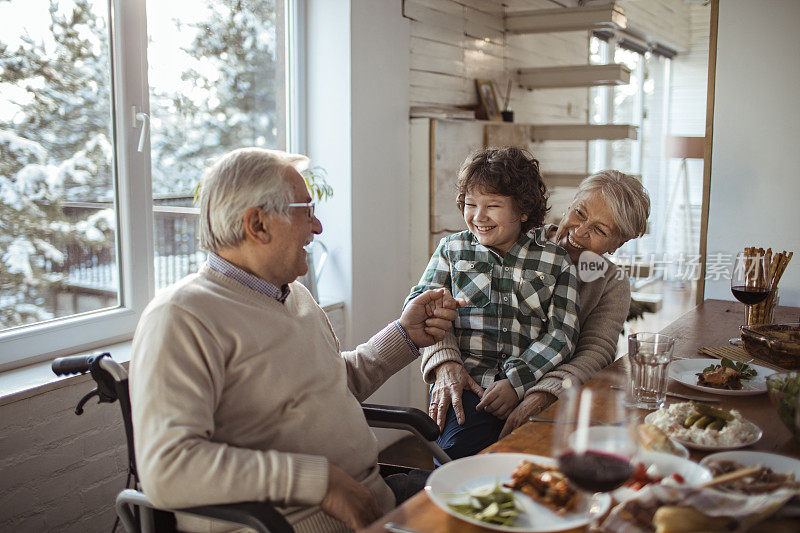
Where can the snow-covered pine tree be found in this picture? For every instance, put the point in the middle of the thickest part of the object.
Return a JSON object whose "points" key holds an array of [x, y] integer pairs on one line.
{"points": [[55, 147], [238, 84]]}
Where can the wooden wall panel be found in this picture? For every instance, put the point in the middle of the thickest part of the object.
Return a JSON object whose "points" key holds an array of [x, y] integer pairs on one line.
{"points": [[453, 42], [435, 80], [454, 142], [484, 26], [436, 96], [690, 78], [427, 63], [433, 33], [492, 7], [663, 20], [448, 15]]}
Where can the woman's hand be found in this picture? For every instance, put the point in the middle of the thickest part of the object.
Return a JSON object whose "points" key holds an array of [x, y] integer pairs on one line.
{"points": [[499, 399], [533, 404], [451, 380]]}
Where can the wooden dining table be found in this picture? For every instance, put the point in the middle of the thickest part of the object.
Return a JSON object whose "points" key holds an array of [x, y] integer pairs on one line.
{"points": [[712, 323]]}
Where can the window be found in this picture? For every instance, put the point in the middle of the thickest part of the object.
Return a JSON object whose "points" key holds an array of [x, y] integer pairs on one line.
{"points": [[617, 105], [80, 204], [644, 102], [216, 76]]}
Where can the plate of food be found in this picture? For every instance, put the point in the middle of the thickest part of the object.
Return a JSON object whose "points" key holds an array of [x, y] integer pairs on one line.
{"points": [[777, 471], [656, 467], [511, 492], [703, 427], [720, 376]]}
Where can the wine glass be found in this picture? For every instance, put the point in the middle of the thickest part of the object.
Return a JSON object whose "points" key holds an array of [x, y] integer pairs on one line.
{"points": [[748, 284], [594, 441]]}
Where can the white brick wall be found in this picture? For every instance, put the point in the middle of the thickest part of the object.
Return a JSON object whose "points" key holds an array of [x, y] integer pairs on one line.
{"points": [[60, 472]]}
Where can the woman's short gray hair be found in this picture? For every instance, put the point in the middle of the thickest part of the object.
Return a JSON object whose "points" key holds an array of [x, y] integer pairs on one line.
{"points": [[626, 197], [239, 180]]}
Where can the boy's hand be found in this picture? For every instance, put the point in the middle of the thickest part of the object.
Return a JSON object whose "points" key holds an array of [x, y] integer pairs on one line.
{"points": [[499, 399]]}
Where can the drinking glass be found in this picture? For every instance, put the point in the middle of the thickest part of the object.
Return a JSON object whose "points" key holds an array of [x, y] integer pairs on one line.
{"points": [[650, 355], [594, 440], [748, 284]]}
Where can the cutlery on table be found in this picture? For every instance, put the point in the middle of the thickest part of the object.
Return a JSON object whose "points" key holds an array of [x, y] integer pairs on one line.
{"points": [[681, 396], [397, 528], [543, 419], [540, 419]]}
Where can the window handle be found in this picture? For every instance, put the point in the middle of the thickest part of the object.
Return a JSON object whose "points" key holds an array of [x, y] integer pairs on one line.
{"points": [[144, 118]]}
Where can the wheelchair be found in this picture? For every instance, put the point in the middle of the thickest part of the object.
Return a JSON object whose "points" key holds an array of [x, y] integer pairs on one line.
{"points": [[135, 510]]}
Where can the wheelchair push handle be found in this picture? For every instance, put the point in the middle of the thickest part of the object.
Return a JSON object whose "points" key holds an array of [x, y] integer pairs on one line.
{"points": [[76, 364]]}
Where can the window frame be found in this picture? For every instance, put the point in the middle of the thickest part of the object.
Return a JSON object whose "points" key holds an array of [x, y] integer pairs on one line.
{"points": [[29, 344]]}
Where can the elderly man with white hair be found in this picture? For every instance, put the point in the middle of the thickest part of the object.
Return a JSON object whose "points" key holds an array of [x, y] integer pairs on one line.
{"points": [[238, 389]]}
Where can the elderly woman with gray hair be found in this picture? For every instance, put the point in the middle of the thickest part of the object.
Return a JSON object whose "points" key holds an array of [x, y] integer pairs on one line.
{"points": [[609, 209]]}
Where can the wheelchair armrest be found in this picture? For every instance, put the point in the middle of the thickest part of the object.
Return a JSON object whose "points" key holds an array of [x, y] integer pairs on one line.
{"points": [[260, 516], [407, 418]]}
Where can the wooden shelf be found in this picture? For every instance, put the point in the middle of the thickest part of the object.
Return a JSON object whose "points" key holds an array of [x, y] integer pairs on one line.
{"points": [[584, 132], [569, 179], [510, 134], [566, 19], [574, 76], [563, 179]]}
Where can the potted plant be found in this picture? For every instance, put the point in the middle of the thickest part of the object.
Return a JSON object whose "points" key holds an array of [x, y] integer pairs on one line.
{"points": [[320, 189]]}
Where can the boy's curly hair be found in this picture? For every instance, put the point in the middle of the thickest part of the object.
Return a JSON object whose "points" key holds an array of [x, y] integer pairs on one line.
{"points": [[510, 172]]}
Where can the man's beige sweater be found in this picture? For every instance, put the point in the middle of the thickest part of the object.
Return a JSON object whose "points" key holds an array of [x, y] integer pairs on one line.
{"points": [[237, 397]]}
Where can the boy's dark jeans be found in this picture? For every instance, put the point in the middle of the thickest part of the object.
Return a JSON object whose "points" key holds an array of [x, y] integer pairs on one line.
{"points": [[480, 429]]}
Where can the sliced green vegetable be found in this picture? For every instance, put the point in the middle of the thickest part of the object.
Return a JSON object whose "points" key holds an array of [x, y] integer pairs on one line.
{"points": [[496, 506], [713, 412], [691, 419]]}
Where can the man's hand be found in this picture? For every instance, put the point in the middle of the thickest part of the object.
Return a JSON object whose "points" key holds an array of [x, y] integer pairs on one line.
{"points": [[533, 404], [499, 399], [451, 380], [427, 317], [348, 501]]}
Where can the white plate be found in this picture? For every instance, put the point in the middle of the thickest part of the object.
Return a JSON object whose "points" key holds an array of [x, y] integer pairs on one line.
{"points": [[666, 465], [778, 463], [718, 447], [485, 470], [685, 371]]}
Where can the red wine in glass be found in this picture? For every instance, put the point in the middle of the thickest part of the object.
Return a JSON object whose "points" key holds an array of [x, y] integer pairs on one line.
{"points": [[595, 471], [594, 440], [748, 283], [749, 295]]}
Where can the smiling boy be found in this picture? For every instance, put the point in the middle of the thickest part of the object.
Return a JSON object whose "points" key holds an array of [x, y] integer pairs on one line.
{"points": [[521, 316]]}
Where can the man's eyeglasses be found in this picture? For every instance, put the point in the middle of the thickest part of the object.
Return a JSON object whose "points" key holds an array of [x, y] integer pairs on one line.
{"points": [[308, 205]]}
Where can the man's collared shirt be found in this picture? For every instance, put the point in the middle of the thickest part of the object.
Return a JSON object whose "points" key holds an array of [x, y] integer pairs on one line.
{"points": [[247, 279], [235, 273], [521, 317]]}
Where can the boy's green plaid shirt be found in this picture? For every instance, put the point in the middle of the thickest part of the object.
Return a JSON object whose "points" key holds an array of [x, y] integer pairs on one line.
{"points": [[521, 317]]}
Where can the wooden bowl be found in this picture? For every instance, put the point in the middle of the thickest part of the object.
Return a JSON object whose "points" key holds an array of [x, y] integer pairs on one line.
{"points": [[778, 344]]}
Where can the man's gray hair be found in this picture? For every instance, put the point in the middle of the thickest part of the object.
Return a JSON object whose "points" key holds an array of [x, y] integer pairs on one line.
{"points": [[239, 180], [626, 197]]}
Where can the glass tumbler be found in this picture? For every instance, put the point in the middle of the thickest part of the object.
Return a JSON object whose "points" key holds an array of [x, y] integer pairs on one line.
{"points": [[650, 355]]}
